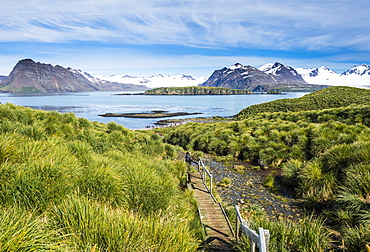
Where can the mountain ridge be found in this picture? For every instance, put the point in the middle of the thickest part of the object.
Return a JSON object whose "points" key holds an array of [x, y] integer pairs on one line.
{"points": [[269, 77], [30, 76], [41, 77], [356, 76]]}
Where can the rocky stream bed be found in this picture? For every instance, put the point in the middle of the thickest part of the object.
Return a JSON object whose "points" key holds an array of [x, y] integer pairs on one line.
{"points": [[246, 189]]}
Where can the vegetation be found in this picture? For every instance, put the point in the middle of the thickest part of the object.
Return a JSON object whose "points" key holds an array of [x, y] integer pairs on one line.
{"points": [[332, 97], [68, 184], [322, 152], [309, 234], [196, 91]]}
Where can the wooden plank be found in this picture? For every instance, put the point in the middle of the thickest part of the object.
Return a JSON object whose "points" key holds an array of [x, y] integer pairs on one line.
{"points": [[218, 234]]}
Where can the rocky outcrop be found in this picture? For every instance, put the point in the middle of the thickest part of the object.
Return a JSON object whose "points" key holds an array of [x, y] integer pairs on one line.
{"points": [[31, 76], [195, 91], [2, 78]]}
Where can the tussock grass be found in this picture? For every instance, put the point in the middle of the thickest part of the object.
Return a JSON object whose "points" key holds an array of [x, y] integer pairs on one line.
{"points": [[24, 231], [68, 184], [320, 142], [88, 225], [309, 234]]}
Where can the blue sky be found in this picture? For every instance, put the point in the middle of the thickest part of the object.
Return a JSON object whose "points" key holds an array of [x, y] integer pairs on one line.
{"points": [[193, 37]]}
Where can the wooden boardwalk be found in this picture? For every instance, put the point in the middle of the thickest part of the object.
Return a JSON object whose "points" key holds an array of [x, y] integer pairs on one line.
{"points": [[218, 233]]}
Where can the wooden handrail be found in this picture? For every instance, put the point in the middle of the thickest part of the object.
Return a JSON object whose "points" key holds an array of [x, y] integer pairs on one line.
{"points": [[203, 171], [261, 239]]}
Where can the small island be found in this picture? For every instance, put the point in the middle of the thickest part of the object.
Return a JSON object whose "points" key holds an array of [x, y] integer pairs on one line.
{"points": [[194, 90], [151, 114]]}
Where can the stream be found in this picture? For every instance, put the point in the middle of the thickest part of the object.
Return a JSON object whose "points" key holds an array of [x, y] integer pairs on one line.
{"points": [[246, 189]]}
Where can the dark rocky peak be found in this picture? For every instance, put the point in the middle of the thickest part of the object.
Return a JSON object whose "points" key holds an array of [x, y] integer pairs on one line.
{"points": [[188, 77], [25, 62], [31, 76], [314, 72], [278, 69], [277, 64], [237, 65], [30, 65], [239, 69], [238, 76]]}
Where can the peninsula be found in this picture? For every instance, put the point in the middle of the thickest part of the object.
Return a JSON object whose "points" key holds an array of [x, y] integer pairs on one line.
{"points": [[152, 114], [194, 90]]}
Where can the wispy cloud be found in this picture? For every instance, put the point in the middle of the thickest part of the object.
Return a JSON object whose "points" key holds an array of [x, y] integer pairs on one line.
{"points": [[268, 24], [236, 30]]}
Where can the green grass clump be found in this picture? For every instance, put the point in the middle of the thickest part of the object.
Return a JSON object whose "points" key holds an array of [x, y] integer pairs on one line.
{"points": [[308, 234], [27, 231], [269, 180], [68, 184], [332, 97], [225, 182], [113, 229]]}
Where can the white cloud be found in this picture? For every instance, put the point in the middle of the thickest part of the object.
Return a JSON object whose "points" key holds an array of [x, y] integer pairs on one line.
{"points": [[199, 22], [286, 25]]}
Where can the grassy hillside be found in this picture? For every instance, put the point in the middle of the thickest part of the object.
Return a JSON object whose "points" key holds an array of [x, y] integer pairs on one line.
{"points": [[323, 155], [332, 97], [68, 184]]}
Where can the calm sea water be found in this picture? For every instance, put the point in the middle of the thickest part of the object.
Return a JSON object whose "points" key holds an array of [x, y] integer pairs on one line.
{"points": [[91, 104]]}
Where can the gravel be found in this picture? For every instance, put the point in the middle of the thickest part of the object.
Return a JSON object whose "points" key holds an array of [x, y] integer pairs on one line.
{"points": [[246, 189]]}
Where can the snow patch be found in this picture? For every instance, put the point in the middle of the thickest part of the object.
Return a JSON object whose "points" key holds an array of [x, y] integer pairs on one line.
{"points": [[354, 77], [156, 80]]}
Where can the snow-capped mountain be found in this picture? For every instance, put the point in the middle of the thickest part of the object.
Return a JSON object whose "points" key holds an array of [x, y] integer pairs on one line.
{"points": [[276, 68], [363, 70], [156, 81], [285, 74], [269, 77], [84, 74], [357, 76]]}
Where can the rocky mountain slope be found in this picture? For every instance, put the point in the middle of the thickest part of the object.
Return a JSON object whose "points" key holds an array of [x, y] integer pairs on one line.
{"points": [[31, 76], [268, 77]]}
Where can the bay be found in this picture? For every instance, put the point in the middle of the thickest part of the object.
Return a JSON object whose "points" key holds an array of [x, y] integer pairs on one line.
{"points": [[90, 105]]}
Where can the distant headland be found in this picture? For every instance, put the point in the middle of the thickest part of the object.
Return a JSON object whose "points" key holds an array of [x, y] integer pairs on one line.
{"points": [[152, 114], [193, 90]]}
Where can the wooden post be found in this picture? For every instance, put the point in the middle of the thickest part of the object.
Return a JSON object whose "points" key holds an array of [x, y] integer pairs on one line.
{"points": [[237, 229], [267, 238], [253, 246], [262, 239]]}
